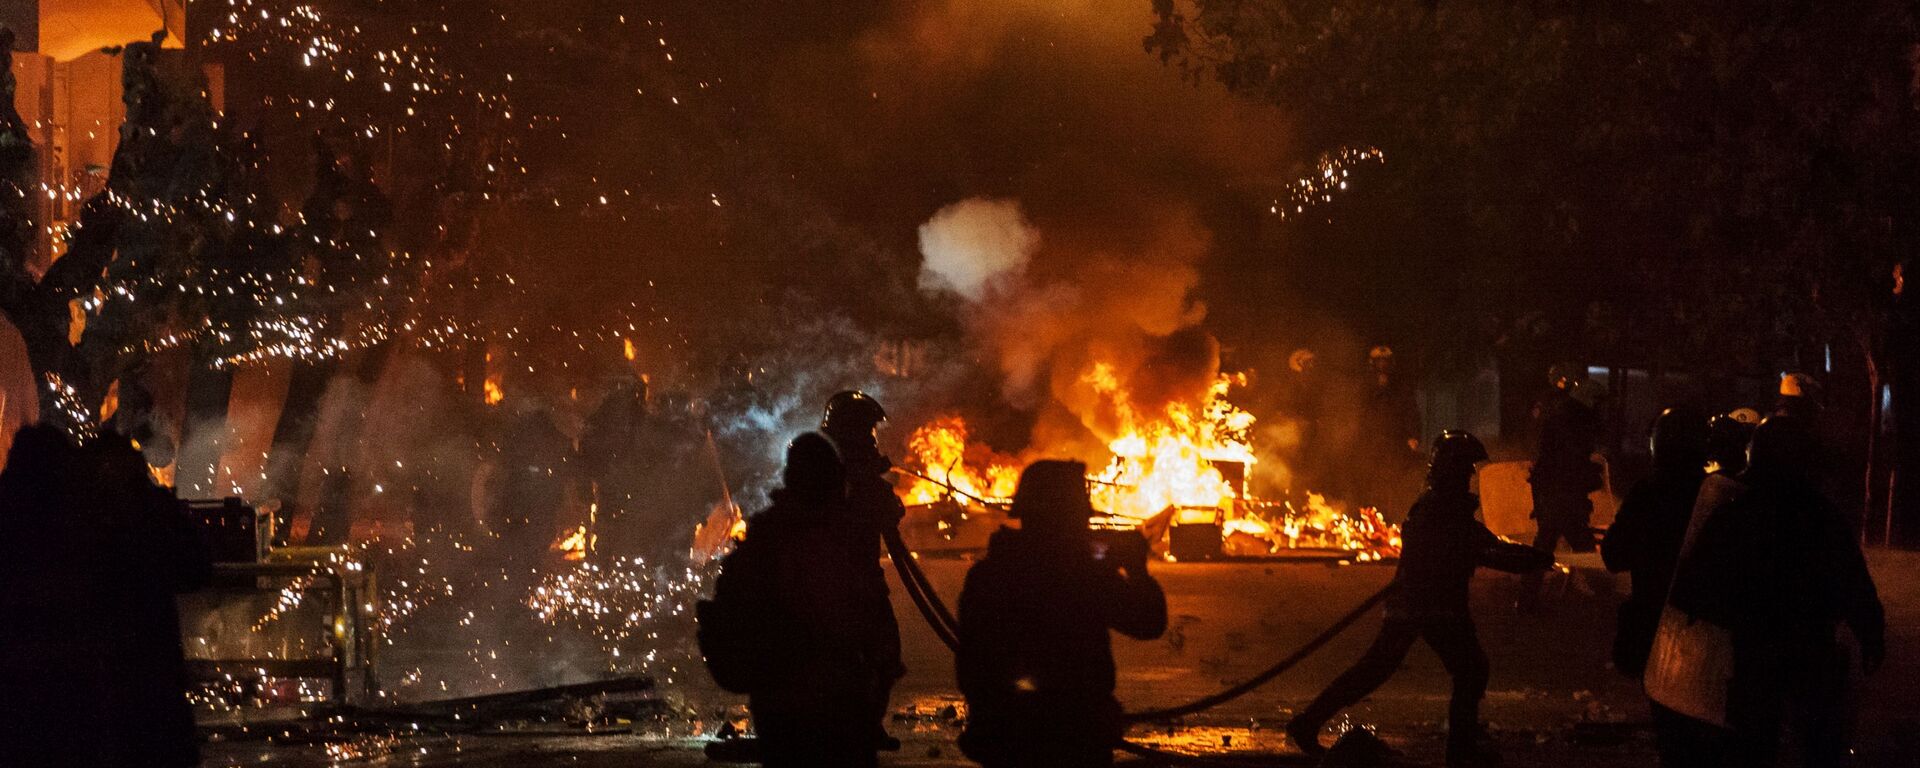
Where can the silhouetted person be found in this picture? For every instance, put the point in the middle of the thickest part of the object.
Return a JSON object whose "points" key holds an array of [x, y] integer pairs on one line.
{"points": [[1727, 438], [1645, 541], [1442, 546], [1781, 570], [91, 554], [1035, 661], [1903, 381], [1389, 437], [624, 455], [852, 420], [808, 587], [1563, 475], [159, 555], [537, 468]]}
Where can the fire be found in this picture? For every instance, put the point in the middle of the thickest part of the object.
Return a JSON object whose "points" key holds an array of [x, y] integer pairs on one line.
{"points": [[1188, 460], [573, 546], [494, 393], [1172, 457], [939, 451]]}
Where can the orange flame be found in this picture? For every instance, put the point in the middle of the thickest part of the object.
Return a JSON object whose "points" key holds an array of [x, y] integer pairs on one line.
{"points": [[1166, 457], [573, 546], [940, 450], [1170, 458]]}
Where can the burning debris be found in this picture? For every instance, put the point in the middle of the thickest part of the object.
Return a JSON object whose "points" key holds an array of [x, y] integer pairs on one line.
{"points": [[1184, 465]]}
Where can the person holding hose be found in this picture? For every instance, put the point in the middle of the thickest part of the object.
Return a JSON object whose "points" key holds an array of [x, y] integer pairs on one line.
{"points": [[852, 420], [1035, 661], [1442, 546]]}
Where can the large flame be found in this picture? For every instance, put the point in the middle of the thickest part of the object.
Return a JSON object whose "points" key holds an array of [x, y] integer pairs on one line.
{"points": [[1190, 459], [1171, 456], [940, 459]]}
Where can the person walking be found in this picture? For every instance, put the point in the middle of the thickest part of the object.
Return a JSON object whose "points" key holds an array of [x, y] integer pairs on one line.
{"points": [[1443, 544], [1644, 542], [1781, 570]]}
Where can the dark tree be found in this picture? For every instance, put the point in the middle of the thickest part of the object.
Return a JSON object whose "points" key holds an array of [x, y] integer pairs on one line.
{"points": [[1720, 188]]}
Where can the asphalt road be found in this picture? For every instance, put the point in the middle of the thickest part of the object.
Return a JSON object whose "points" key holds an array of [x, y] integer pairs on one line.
{"points": [[1553, 700]]}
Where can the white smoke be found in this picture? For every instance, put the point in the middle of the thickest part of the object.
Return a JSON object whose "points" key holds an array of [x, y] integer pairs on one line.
{"points": [[976, 246]]}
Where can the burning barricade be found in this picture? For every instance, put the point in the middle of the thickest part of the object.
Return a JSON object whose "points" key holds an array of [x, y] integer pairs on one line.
{"points": [[1179, 474]]}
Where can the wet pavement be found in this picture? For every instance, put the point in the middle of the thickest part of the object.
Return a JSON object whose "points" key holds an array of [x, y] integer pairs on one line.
{"points": [[1553, 700]]}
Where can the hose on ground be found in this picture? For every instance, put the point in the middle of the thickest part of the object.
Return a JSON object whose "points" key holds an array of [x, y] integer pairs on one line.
{"points": [[941, 620], [1162, 756], [1272, 672]]}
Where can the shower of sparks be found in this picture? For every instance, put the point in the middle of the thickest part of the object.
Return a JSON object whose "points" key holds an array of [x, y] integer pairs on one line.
{"points": [[616, 600], [1331, 176]]}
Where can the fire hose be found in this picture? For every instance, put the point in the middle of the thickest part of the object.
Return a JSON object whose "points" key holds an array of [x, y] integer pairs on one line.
{"points": [[914, 579]]}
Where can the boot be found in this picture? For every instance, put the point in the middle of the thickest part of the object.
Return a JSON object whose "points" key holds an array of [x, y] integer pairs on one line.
{"points": [[1305, 735], [1472, 749]]}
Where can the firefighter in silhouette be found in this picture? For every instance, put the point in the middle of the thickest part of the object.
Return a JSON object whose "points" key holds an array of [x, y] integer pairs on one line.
{"points": [[1563, 475], [1903, 380], [537, 468], [1645, 541], [1727, 437], [92, 554], [806, 647], [1302, 400], [852, 420], [1781, 569], [1390, 434], [1035, 661], [1443, 545]]}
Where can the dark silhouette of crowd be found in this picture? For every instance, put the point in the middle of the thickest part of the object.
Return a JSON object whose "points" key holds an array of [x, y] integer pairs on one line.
{"points": [[91, 556], [1742, 572]]}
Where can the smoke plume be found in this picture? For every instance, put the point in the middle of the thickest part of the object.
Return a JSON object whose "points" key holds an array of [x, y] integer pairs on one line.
{"points": [[975, 245]]}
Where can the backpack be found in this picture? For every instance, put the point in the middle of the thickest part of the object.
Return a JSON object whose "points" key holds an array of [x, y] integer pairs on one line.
{"points": [[732, 627]]}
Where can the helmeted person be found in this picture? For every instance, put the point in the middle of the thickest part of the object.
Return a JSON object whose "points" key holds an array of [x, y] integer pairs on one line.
{"points": [[1645, 541], [807, 589], [1035, 661], [852, 420], [1727, 438], [1389, 432], [1781, 569], [538, 468], [1799, 397], [92, 554], [1443, 544], [1301, 401], [1563, 475]]}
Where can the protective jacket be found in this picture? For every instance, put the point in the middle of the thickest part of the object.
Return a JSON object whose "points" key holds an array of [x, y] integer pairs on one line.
{"points": [[1645, 541], [1442, 544], [1035, 661]]}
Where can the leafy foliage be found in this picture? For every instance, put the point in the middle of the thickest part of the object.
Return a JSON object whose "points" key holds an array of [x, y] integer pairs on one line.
{"points": [[1702, 171]]}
